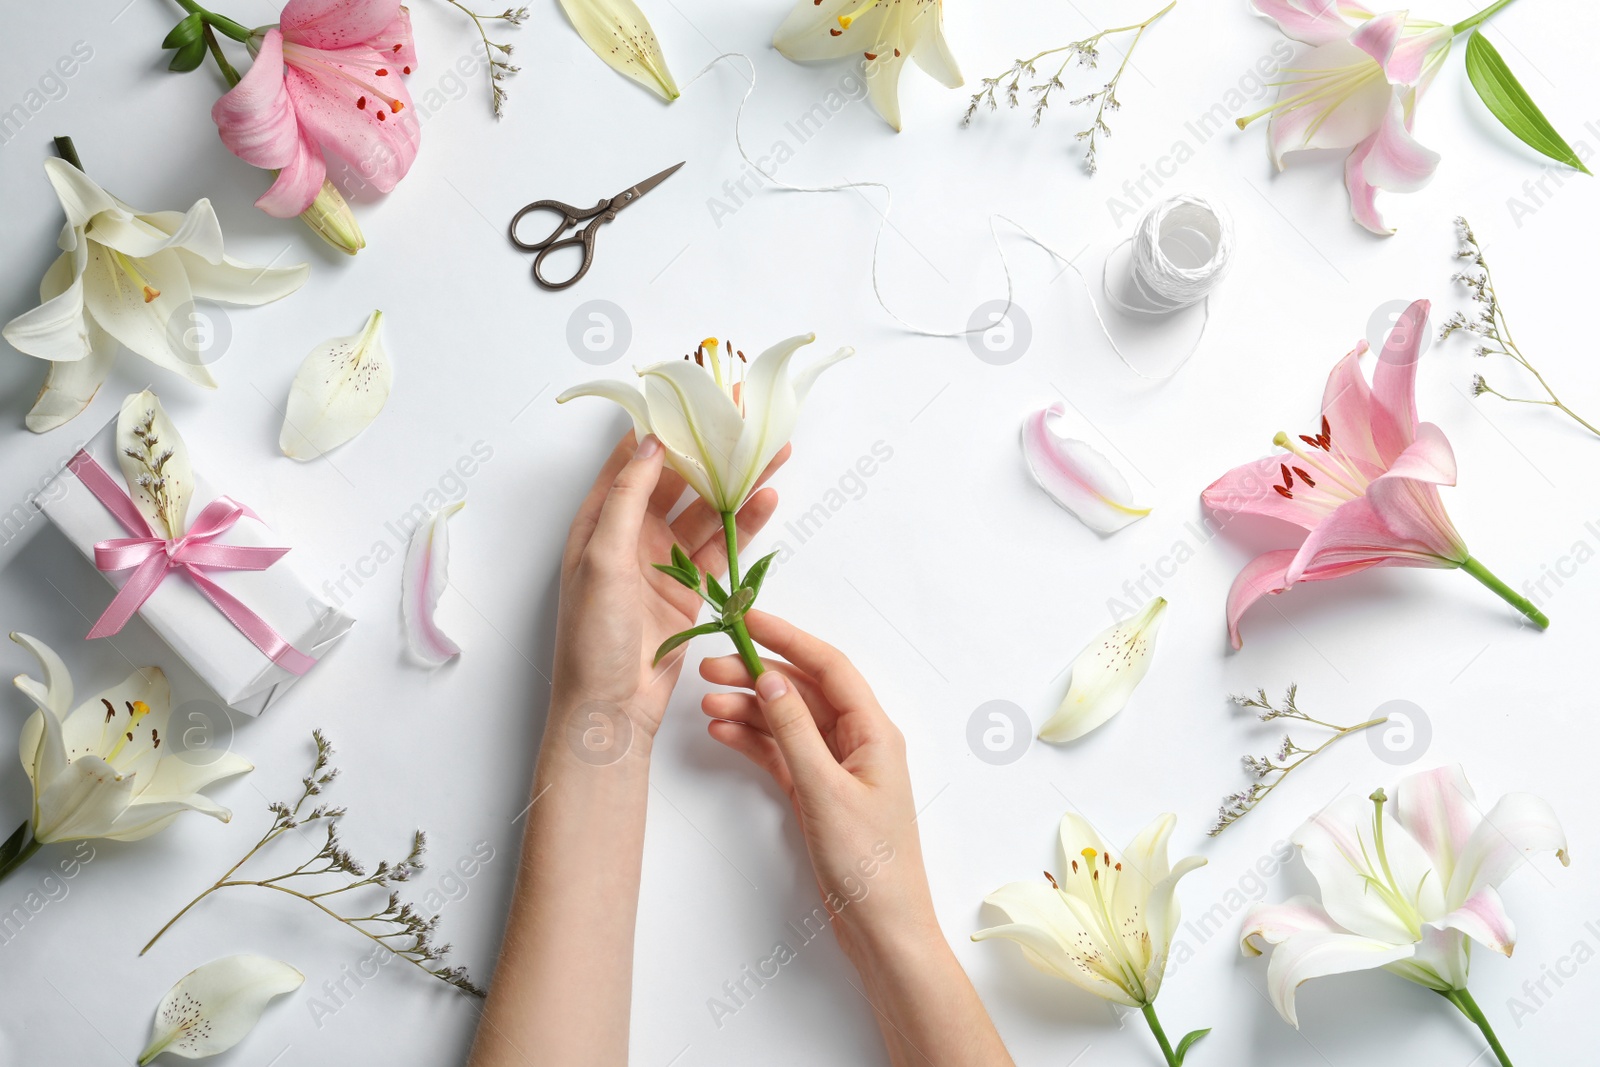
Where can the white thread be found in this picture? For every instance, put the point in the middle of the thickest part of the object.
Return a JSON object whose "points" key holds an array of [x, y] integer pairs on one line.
{"points": [[1160, 285]]}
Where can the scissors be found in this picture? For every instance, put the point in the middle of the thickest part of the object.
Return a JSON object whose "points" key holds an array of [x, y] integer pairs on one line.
{"points": [[604, 211]]}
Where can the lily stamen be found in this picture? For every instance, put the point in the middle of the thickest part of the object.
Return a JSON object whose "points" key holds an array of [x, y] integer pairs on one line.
{"points": [[126, 264]]}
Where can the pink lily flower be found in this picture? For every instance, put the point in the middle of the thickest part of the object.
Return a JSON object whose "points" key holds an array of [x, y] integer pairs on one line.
{"points": [[1364, 486], [1356, 88], [326, 78]]}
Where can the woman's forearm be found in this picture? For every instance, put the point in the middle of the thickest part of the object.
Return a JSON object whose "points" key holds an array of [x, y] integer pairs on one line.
{"points": [[561, 990], [925, 1005]]}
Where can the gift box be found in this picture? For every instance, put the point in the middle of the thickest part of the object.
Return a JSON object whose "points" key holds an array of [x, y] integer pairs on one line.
{"points": [[226, 624]]}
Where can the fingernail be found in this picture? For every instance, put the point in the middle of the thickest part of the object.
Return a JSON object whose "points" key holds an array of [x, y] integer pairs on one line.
{"points": [[648, 447], [771, 686]]}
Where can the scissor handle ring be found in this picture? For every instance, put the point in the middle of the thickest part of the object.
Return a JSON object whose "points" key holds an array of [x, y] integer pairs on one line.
{"points": [[584, 237], [570, 216]]}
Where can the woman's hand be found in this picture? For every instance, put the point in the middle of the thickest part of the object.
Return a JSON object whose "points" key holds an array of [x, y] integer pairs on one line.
{"points": [[616, 608], [813, 725]]}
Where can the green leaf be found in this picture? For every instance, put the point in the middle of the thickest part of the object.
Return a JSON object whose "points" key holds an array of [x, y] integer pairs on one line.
{"points": [[681, 560], [681, 638], [185, 32], [1509, 102], [737, 605], [1188, 1042], [757, 574], [715, 591], [188, 57], [679, 575]]}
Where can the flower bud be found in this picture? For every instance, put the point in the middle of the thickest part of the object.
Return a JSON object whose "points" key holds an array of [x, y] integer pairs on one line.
{"points": [[331, 219]]}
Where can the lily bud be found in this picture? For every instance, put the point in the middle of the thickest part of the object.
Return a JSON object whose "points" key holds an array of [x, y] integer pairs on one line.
{"points": [[331, 219]]}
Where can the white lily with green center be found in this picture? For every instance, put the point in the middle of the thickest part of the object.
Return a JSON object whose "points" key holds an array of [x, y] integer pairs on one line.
{"points": [[1106, 925], [882, 33], [108, 768], [129, 277], [1404, 891], [721, 421]]}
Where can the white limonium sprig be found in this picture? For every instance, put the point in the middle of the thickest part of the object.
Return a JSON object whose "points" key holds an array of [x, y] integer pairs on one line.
{"points": [[1084, 53], [1492, 332], [496, 54], [332, 871], [721, 420], [1270, 770]]}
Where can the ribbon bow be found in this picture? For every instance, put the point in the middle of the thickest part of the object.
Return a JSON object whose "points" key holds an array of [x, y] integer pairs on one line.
{"points": [[152, 558]]}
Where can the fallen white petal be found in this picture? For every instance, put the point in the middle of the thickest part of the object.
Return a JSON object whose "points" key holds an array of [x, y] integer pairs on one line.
{"points": [[620, 34], [161, 446], [1105, 675], [423, 582], [1076, 476], [340, 388], [213, 1007]]}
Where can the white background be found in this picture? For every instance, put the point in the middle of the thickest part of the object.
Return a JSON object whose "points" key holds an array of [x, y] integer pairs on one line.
{"points": [[951, 579]]}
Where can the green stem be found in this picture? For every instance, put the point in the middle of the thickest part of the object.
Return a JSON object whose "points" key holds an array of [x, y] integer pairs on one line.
{"points": [[1475, 20], [1505, 592], [1161, 1035], [740, 635], [231, 28], [69, 152], [1469, 1007], [230, 75], [18, 848]]}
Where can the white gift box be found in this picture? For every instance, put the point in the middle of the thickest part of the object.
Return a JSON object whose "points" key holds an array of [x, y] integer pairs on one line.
{"points": [[224, 658]]}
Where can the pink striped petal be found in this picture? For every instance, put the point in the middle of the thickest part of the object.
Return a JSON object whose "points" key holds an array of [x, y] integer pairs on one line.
{"points": [[1076, 476], [1396, 161], [336, 24], [1482, 917], [1251, 490], [395, 43], [1394, 383], [338, 97], [298, 183], [423, 582], [1310, 21], [1363, 194], [1518, 824], [1273, 924], [1266, 575], [1440, 810], [256, 118]]}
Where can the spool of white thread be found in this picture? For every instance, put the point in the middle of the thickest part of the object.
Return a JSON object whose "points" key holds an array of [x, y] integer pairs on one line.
{"points": [[1181, 252]]}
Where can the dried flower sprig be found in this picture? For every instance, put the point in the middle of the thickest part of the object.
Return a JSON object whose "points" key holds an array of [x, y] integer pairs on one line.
{"points": [[1086, 53], [1270, 770], [495, 53], [153, 457], [1492, 329], [397, 926]]}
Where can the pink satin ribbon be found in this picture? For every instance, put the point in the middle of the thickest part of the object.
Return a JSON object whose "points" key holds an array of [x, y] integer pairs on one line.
{"points": [[152, 558]]}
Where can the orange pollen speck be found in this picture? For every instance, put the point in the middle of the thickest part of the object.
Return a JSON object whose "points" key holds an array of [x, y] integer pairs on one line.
{"points": [[381, 116], [382, 72], [396, 106], [834, 33], [396, 48], [150, 294], [870, 55], [361, 103], [405, 70]]}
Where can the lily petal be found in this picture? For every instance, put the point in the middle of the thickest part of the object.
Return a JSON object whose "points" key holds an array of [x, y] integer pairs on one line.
{"points": [[1482, 917], [1308, 21], [423, 581], [1105, 674], [1161, 916], [771, 398], [1312, 954], [337, 23], [1440, 810], [340, 388], [69, 387], [619, 33], [233, 281], [255, 118], [325, 88], [58, 329], [1273, 924], [1077, 476], [1267, 575], [1519, 823], [1328, 118], [1338, 847], [80, 195], [1049, 932], [137, 301], [699, 425], [156, 435], [213, 1007]]}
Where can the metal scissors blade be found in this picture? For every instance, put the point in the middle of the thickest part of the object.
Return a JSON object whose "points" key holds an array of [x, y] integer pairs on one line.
{"points": [[629, 195]]}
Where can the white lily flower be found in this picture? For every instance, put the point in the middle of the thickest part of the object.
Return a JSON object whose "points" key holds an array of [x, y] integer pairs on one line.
{"points": [[341, 386], [884, 33], [98, 771], [213, 1007], [129, 277], [1106, 924], [1106, 673], [719, 430], [619, 33], [1403, 891]]}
